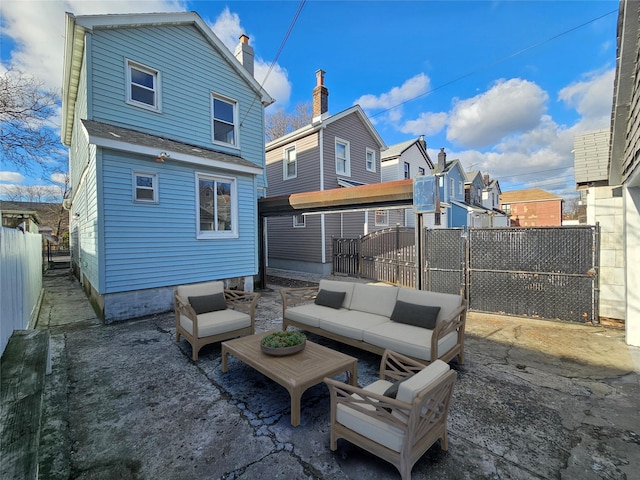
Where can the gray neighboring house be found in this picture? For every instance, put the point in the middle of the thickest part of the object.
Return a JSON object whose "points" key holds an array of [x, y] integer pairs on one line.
{"points": [[333, 151], [402, 161], [483, 197]]}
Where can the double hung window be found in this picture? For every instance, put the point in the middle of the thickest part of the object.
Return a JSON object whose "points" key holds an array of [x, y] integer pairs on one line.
{"points": [[145, 187], [290, 163], [343, 161], [225, 118], [299, 221], [143, 88], [407, 170], [382, 218], [371, 160]]}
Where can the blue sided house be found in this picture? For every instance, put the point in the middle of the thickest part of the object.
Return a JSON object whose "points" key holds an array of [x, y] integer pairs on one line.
{"points": [[165, 129]]}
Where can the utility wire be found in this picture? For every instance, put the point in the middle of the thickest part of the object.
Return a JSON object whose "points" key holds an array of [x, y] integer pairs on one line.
{"points": [[493, 64], [275, 59]]}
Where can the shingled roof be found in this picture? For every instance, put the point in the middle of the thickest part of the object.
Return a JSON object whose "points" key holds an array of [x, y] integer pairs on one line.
{"points": [[530, 195]]}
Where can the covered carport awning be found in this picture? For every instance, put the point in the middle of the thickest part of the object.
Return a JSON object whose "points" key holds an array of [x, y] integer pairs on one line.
{"points": [[365, 197]]}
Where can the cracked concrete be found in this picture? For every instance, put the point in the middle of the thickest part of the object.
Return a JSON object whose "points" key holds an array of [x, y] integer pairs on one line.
{"points": [[534, 400]]}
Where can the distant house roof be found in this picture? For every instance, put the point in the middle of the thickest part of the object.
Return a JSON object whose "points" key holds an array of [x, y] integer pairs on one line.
{"points": [[530, 195], [323, 122], [119, 138], [19, 210], [397, 149], [471, 175]]}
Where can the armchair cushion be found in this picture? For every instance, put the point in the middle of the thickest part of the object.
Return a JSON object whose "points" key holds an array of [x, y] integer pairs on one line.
{"points": [[408, 390], [216, 323], [329, 298], [208, 303], [392, 391], [413, 314]]}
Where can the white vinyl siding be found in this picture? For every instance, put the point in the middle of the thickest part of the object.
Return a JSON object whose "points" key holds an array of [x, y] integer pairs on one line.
{"points": [[145, 187], [224, 120], [143, 86], [290, 163], [343, 157], [216, 206]]}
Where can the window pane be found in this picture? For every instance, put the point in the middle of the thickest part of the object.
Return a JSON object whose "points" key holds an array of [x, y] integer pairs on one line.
{"points": [[142, 95], [341, 150], [141, 78], [224, 206], [206, 205], [144, 194], [144, 182], [223, 132], [222, 110]]}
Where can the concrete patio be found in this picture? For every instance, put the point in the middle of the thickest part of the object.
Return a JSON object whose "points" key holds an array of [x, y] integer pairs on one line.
{"points": [[534, 400]]}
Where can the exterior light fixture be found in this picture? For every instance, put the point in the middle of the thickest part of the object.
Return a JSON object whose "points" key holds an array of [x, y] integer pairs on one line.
{"points": [[161, 158]]}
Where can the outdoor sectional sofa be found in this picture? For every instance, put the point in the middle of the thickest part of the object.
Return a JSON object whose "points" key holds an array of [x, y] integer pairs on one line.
{"points": [[380, 317]]}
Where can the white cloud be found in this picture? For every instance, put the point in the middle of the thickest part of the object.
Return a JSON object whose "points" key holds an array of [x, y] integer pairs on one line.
{"points": [[59, 178], [509, 107], [412, 88], [592, 98], [13, 177], [426, 124]]}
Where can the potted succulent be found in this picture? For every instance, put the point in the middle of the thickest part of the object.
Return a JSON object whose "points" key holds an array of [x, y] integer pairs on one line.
{"points": [[283, 343]]}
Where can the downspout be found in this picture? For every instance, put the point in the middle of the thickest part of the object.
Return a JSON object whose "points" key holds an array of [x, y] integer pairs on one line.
{"points": [[322, 225]]}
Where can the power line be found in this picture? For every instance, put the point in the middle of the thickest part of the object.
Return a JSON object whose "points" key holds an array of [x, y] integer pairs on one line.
{"points": [[275, 59], [489, 65]]}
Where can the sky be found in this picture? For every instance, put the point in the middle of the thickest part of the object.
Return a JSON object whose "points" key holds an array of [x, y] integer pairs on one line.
{"points": [[503, 85]]}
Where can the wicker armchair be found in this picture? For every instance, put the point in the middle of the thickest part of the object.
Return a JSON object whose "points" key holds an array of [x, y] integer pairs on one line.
{"points": [[208, 313], [399, 430]]}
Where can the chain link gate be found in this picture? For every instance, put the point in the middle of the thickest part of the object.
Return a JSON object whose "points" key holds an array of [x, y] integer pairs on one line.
{"points": [[537, 272], [444, 260]]}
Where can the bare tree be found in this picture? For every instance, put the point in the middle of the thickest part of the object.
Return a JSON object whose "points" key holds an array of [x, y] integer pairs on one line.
{"points": [[279, 123], [26, 110]]}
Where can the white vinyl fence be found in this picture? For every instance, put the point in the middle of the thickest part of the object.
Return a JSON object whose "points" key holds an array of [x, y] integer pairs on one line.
{"points": [[20, 280]]}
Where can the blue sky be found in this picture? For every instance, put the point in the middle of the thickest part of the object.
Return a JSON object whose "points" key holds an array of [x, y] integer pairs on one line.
{"points": [[502, 85]]}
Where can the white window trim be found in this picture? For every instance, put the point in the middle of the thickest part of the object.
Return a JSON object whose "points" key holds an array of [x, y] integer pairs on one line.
{"points": [[214, 235], [347, 172], [386, 216], [236, 126], [373, 155], [134, 184], [285, 163], [298, 225], [157, 92], [406, 170]]}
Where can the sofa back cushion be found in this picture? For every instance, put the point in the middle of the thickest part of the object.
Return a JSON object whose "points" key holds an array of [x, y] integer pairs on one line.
{"points": [[446, 301], [200, 289], [377, 299], [338, 286]]}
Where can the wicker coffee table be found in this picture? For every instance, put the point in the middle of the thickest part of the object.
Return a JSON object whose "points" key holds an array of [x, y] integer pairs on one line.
{"points": [[295, 372]]}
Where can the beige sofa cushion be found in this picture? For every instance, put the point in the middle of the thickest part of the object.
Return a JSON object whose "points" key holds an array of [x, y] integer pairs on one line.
{"points": [[214, 323], [380, 432], [199, 289], [350, 323], [410, 388], [338, 286], [446, 301], [376, 299], [308, 314], [408, 339]]}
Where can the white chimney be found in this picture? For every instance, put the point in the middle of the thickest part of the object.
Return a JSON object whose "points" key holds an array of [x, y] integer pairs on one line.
{"points": [[244, 53]]}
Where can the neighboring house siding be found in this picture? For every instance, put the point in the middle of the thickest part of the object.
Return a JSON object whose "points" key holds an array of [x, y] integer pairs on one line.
{"points": [[175, 256], [308, 168], [190, 69], [296, 244], [390, 170], [536, 214]]}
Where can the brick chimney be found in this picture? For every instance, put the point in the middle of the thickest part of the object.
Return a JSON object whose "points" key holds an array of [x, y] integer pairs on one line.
{"points": [[486, 179], [320, 96], [244, 53], [442, 160]]}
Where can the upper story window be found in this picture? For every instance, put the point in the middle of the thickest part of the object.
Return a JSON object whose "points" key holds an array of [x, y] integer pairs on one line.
{"points": [[143, 88], [420, 170], [343, 157], [290, 163], [225, 118], [506, 208], [452, 187], [407, 170], [382, 218], [145, 187], [371, 160], [299, 221], [216, 207]]}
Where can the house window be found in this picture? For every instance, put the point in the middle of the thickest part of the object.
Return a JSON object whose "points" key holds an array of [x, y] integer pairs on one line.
{"points": [[299, 221], [343, 154], [452, 186], [290, 163], [382, 218], [407, 170], [371, 160], [216, 206], [506, 208], [145, 187], [420, 170], [143, 86], [225, 117], [437, 219]]}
